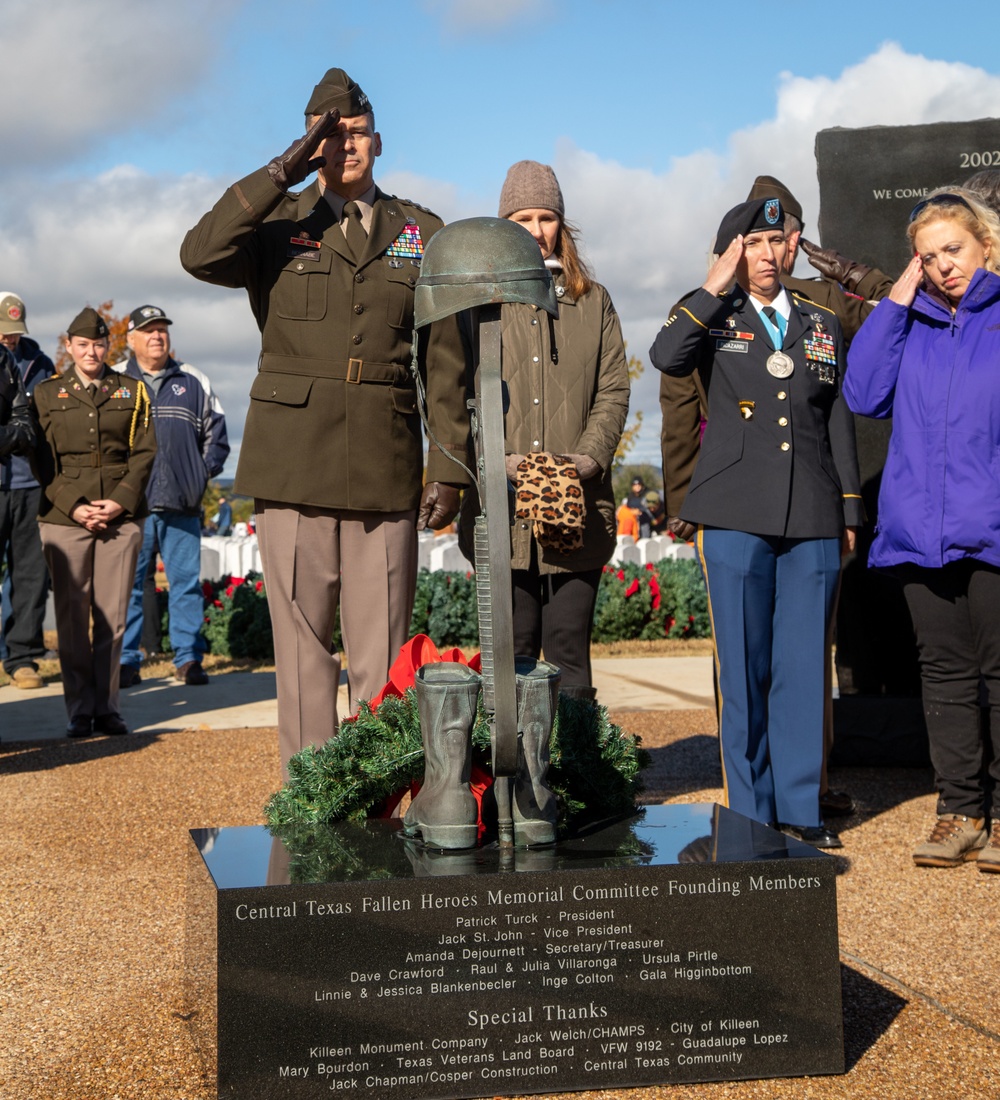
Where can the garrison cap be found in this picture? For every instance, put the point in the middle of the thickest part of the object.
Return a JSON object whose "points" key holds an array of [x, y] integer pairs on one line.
{"points": [[146, 315], [336, 91], [89, 324], [755, 216], [12, 314], [766, 186]]}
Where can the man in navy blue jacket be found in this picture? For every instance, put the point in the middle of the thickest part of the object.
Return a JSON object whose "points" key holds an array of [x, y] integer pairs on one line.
{"points": [[192, 446], [27, 576]]}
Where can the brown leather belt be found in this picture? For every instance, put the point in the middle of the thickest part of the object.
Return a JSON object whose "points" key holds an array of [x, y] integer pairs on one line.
{"points": [[95, 458], [353, 370]]}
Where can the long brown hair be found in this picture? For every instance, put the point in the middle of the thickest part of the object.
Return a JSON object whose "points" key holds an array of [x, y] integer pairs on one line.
{"points": [[578, 276]]}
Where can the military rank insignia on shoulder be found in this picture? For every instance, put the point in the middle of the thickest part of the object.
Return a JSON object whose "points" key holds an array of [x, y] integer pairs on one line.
{"points": [[417, 206], [803, 300]]}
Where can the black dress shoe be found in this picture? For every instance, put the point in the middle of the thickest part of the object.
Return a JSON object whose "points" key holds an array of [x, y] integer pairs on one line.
{"points": [[834, 803], [79, 726], [111, 724], [819, 836]]}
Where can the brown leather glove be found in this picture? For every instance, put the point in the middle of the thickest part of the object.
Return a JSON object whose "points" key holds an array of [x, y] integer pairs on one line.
{"points": [[297, 161], [831, 265], [681, 528], [438, 505]]}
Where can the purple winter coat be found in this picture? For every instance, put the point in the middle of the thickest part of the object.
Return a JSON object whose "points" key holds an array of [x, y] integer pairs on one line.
{"points": [[938, 377]]}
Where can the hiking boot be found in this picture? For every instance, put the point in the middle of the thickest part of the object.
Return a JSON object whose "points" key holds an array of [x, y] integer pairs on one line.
{"points": [[129, 676], [955, 839], [27, 678], [191, 673], [989, 857]]}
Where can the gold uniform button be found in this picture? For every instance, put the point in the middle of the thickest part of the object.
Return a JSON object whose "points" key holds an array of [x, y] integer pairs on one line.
{"points": [[782, 395], [786, 446], [783, 421], [359, 308]]}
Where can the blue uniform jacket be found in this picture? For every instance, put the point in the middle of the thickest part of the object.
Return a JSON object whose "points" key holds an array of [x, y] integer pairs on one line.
{"points": [[192, 444], [778, 457]]}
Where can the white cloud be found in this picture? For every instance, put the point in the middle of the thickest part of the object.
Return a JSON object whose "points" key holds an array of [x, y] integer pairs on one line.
{"points": [[73, 72], [646, 233]]}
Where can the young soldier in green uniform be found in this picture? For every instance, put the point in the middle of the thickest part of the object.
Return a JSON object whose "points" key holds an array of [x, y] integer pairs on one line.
{"points": [[94, 457]]}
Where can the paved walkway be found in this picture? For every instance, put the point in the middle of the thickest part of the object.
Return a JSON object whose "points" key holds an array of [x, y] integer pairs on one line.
{"points": [[234, 700]]}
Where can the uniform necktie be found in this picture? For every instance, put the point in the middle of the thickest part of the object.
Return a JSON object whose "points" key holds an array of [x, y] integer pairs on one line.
{"points": [[354, 231], [777, 325]]}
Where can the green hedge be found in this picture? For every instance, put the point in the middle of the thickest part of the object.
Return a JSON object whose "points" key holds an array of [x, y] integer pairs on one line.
{"points": [[666, 600]]}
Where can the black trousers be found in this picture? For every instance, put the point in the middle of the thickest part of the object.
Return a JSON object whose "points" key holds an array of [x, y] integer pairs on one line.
{"points": [[29, 577], [554, 615], [956, 614]]}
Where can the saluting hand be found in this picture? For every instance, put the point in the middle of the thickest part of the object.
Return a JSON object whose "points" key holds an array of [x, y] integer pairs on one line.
{"points": [[723, 271], [905, 288], [297, 161]]}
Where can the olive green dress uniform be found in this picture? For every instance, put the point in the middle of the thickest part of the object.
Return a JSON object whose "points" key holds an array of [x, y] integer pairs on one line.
{"points": [[333, 417], [96, 446], [332, 447]]}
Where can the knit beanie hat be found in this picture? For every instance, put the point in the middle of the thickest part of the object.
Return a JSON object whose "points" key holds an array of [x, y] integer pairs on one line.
{"points": [[530, 186]]}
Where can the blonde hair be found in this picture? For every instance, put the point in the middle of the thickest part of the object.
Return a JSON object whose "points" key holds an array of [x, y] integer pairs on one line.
{"points": [[971, 213]]}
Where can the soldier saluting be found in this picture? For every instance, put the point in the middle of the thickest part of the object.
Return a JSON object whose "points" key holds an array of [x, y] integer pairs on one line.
{"points": [[332, 449]]}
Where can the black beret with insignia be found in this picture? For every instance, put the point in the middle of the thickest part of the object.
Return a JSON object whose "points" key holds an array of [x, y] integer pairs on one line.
{"points": [[764, 187], [756, 216]]}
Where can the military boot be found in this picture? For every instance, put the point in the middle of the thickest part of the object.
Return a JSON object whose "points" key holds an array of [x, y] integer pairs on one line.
{"points": [[534, 804], [444, 810]]}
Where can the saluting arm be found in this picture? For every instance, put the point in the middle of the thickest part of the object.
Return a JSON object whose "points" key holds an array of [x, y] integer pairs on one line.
{"points": [[221, 248], [678, 345]]}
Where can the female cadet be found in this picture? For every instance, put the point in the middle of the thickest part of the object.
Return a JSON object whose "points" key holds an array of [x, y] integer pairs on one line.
{"points": [[776, 479], [95, 453]]}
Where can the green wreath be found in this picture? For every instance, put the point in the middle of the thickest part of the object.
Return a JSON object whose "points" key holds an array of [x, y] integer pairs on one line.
{"points": [[594, 773]]}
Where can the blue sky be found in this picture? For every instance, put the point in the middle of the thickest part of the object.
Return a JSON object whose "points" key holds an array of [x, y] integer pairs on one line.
{"points": [[131, 117]]}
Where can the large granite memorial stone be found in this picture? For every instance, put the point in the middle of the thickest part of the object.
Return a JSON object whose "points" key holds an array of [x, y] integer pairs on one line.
{"points": [[687, 943], [871, 178]]}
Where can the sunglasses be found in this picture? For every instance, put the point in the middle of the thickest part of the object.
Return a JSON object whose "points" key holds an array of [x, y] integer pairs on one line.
{"points": [[939, 200]]}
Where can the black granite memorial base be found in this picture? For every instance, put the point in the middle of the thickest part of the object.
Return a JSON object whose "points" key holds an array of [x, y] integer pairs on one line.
{"points": [[687, 943]]}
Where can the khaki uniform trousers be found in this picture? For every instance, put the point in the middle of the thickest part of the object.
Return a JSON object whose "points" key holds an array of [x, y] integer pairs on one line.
{"points": [[313, 559], [92, 574]]}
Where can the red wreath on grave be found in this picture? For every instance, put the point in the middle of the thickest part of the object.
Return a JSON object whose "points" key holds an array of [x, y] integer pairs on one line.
{"points": [[414, 654]]}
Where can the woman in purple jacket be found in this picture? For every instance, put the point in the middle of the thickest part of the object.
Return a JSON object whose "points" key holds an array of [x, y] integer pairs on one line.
{"points": [[929, 357]]}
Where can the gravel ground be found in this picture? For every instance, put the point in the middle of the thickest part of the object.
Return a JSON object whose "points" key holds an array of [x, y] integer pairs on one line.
{"points": [[92, 919]]}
